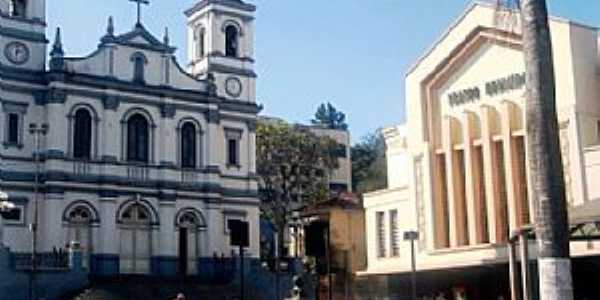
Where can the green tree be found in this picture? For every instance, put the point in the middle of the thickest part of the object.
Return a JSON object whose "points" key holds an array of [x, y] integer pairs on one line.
{"points": [[369, 165], [293, 166], [327, 115]]}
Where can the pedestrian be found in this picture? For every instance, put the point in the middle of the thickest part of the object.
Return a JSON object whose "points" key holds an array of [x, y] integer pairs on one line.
{"points": [[180, 296]]}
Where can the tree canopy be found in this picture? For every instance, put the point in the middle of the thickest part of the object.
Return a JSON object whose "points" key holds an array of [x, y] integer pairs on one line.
{"points": [[369, 165], [328, 116], [293, 166]]}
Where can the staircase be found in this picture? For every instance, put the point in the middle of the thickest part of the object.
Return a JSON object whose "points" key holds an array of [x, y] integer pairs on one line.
{"points": [[144, 288]]}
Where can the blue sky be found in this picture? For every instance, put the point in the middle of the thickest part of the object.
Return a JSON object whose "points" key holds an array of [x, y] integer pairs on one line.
{"points": [[349, 52]]}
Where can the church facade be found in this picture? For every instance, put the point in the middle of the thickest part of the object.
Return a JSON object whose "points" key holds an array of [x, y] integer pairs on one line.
{"points": [[141, 160]]}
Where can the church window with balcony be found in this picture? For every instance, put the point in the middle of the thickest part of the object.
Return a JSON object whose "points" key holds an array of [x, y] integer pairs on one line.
{"points": [[137, 139], [231, 41], [199, 42], [188, 146], [82, 134]]}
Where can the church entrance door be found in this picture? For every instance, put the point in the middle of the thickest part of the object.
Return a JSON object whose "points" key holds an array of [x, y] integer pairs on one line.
{"points": [[188, 244], [135, 241], [183, 251], [80, 231]]}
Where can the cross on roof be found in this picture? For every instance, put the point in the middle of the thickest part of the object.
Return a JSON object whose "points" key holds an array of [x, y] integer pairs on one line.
{"points": [[139, 9]]}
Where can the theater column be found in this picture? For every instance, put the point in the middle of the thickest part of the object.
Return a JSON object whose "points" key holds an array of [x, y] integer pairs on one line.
{"points": [[505, 115], [470, 184], [488, 168]]}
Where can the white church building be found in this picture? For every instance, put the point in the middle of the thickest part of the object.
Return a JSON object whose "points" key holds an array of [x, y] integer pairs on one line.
{"points": [[143, 161]]}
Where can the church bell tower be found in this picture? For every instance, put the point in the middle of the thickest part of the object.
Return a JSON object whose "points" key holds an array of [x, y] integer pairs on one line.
{"points": [[23, 38], [221, 46]]}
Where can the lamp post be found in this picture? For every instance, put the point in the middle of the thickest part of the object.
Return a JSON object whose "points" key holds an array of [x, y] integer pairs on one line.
{"points": [[412, 236], [36, 131]]}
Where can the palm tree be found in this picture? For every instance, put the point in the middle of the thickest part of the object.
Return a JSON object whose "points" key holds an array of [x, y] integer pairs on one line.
{"points": [[543, 148]]}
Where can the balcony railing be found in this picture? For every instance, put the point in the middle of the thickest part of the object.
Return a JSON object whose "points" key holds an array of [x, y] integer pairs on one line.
{"points": [[189, 176], [138, 173], [81, 168]]}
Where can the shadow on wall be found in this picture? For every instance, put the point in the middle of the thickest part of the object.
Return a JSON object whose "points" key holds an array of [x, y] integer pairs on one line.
{"points": [[51, 281]]}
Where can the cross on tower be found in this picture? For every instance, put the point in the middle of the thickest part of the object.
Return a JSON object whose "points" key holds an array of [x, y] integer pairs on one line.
{"points": [[139, 9]]}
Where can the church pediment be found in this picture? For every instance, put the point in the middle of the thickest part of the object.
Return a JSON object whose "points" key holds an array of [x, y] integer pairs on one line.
{"points": [[135, 57], [141, 38]]}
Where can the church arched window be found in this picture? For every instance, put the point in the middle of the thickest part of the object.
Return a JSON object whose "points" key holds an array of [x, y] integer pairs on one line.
{"points": [[136, 214], [139, 61], [18, 8], [82, 135], [231, 41], [199, 42], [137, 138], [188, 145]]}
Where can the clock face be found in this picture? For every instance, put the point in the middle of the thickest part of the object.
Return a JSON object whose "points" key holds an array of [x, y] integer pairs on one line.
{"points": [[17, 53], [233, 87]]}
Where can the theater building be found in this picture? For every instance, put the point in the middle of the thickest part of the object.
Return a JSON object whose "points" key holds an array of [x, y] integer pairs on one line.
{"points": [[144, 160], [458, 167]]}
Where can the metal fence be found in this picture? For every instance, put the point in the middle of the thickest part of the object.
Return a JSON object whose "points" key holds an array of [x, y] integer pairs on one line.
{"points": [[58, 260]]}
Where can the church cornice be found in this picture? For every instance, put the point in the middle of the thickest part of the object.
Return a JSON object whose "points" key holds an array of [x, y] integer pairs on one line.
{"points": [[31, 36], [120, 184], [34, 21], [103, 83], [238, 4]]}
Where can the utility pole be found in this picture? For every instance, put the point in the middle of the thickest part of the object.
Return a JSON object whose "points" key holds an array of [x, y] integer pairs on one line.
{"points": [[36, 132], [547, 183]]}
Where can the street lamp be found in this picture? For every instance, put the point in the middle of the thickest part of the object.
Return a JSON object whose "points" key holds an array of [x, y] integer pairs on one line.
{"points": [[412, 236], [36, 131]]}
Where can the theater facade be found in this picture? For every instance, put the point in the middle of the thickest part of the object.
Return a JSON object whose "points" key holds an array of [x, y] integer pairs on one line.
{"points": [[458, 167]]}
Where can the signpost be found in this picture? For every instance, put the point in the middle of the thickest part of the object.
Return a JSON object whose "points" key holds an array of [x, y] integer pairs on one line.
{"points": [[412, 236], [238, 236]]}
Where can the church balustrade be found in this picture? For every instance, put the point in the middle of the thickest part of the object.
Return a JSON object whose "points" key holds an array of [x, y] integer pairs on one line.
{"points": [[190, 176], [140, 173], [82, 168], [120, 173]]}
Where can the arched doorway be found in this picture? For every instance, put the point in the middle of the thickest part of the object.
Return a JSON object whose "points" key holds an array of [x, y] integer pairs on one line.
{"points": [[189, 224], [135, 240], [79, 219]]}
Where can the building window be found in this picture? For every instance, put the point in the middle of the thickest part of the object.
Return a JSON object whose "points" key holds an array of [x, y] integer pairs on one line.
{"points": [[82, 136], [232, 152], [15, 216], [380, 223], [199, 42], [394, 234], [18, 8], [13, 128], [139, 61], [188, 145], [231, 41], [233, 137], [137, 139]]}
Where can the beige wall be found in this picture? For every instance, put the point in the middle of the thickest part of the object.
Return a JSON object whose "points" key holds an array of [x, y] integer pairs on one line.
{"points": [[465, 164]]}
